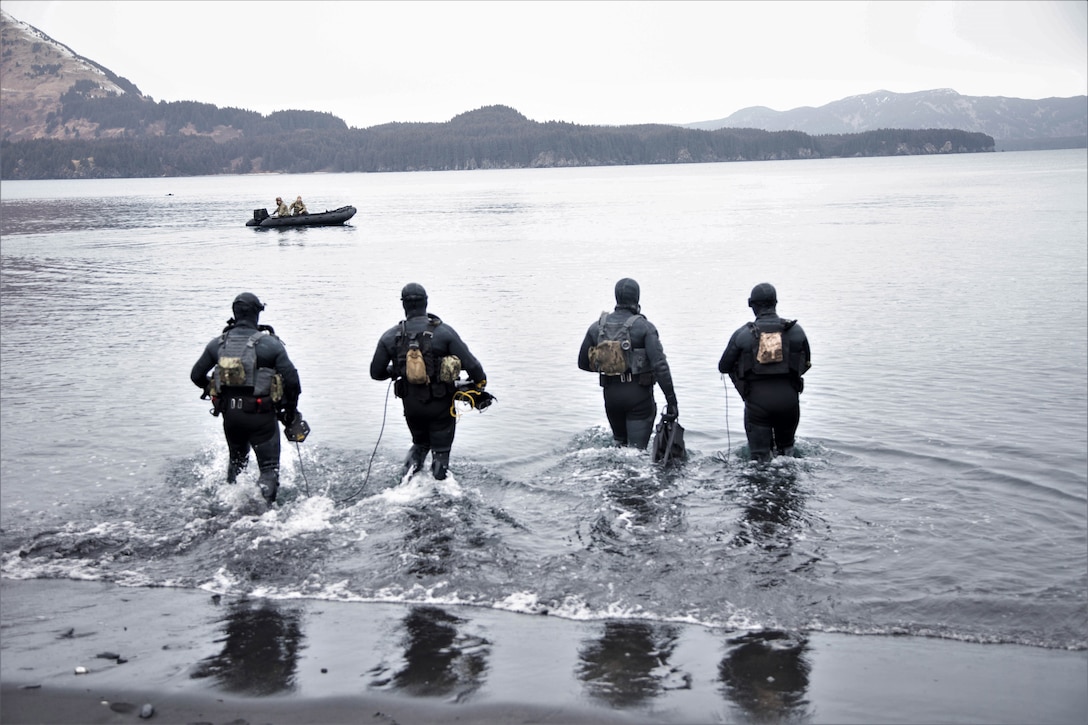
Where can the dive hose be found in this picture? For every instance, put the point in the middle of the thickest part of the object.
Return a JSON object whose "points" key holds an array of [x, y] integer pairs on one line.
{"points": [[728, 439], [366, 478], [301, 469]]}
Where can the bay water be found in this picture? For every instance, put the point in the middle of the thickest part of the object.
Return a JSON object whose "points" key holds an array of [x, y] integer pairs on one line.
{"points": [[941, 483]]}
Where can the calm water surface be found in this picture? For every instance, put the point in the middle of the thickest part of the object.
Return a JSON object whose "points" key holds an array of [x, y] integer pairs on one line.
{"points": [[943, 481]]}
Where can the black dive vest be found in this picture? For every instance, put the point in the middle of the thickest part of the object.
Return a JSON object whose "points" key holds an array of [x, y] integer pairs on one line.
{"points": [[638, 362], [787, 363], [422, 340], [237, 364]]}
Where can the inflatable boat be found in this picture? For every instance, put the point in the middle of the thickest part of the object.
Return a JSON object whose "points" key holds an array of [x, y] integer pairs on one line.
{"points": [[261, 218]]}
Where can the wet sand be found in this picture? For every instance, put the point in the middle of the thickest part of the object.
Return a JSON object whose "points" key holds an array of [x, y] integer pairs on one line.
{"points": [[197, 658]]}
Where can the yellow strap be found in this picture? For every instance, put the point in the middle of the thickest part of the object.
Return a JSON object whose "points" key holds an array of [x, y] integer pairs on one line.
{"points": [[463, 396]]}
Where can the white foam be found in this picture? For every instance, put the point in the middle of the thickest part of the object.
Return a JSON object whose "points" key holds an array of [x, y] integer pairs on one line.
{"points": [[222, 583], [522, 602], [308, 516], [419, 486], [15, 567]]}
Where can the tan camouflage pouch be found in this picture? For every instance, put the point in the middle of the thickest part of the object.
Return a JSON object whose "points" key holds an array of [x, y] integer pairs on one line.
{"points": [[608, 358], [450, 370], [770, 348], [416, 368], [231, 371]]}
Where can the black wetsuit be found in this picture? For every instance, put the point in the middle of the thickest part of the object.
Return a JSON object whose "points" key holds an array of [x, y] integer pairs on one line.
{"points": [[426, 407], [629, 399], [771, 407], [248, 421]]}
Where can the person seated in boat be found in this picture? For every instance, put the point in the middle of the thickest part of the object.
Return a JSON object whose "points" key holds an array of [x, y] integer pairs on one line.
{"points": [[298, 207], [281, 208]]}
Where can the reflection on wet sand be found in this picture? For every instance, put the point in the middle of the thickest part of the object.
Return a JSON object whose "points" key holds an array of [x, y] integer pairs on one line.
{"points": [[438, 659], [260, 650], [766, 675], [628, 665]]}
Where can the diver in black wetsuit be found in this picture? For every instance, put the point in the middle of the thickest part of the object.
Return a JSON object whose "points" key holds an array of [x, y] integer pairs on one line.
{"points": [[253, 380], [628, 377], [417, 353], [765, 360]]}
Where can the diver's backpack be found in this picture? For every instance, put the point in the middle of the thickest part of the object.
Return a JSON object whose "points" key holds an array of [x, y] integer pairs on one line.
{"points": [[614, 354], [237, 366], [771, 354], [415, 356]]}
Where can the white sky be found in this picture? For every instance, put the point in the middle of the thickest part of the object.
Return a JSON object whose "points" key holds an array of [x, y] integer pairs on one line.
{"points": [[614, 63]]}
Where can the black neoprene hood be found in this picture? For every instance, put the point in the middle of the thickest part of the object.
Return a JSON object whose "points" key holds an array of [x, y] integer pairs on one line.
{"points": [[763, 293], [250, 300], [627, 292], [413, 291], [247, 306], [414, 299]]}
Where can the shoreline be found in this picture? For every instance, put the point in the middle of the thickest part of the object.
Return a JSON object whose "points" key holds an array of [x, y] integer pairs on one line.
{"points": [[91, 707], [198, 657]]}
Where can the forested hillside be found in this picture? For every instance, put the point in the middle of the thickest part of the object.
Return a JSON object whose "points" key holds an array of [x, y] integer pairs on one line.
{"points": [[197, 139], [66, 116]]}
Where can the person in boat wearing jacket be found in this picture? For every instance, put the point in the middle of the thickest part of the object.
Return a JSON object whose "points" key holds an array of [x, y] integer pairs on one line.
{"points": [[298, 207], [281, 208]]}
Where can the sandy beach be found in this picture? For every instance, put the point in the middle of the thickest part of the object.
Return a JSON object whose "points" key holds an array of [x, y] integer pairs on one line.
{"points": [[196, 657]]}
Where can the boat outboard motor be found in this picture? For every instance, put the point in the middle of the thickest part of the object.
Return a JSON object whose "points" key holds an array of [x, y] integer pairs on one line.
{"points": [[259, 215]]}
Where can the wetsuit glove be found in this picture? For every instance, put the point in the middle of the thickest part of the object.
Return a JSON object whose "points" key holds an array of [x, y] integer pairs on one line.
{"points": [[481, 385], [287, 416], [672, 412]]}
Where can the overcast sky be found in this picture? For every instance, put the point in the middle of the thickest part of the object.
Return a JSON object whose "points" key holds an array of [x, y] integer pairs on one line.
{"points": [[612, 63]]}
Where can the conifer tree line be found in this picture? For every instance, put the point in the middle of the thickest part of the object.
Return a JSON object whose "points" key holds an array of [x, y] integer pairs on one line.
{"points": [[149, 139]]}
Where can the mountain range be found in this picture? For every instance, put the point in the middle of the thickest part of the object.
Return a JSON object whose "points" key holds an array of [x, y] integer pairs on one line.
{"points": [[1013, 122], [37, 71], [65, 116]]}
